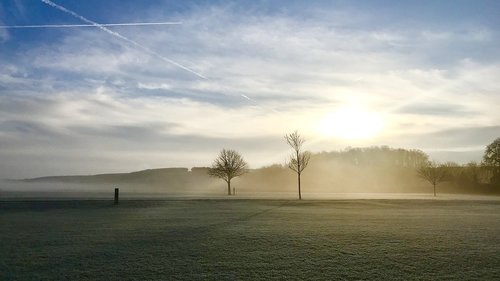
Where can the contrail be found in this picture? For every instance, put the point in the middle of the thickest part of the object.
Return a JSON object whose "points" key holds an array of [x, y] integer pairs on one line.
{"points": [[245, 96], [89, 25], [257, 104], [116, 34], [146, 49]]}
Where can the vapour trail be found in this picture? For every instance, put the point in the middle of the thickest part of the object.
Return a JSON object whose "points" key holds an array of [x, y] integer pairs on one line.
{"points": [[116, 34], [257, 104], [89, 25], [146, 49]]}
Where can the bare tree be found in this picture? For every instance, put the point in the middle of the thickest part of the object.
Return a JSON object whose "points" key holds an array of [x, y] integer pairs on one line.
{"points": [[228, 165], [433, 173], [299, 159]]}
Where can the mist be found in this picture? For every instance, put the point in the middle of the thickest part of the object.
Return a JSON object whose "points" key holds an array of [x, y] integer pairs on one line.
{"points": [[367, 172]]}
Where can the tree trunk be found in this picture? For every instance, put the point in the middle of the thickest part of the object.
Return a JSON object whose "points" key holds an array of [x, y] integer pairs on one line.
{"points": [[229, 187], [434, 190], [298, 178]]}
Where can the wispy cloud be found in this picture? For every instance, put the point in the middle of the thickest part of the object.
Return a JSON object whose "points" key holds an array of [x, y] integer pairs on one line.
{"points": [[456, 110], [116, 34], [84, 92], [121, 127], [154, 86]]}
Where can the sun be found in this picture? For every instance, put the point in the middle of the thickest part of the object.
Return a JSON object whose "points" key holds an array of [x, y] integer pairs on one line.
{"points": [[351, 123]]}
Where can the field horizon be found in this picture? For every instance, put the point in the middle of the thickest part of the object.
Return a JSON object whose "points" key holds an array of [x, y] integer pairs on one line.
{"points": [[33, 195]]}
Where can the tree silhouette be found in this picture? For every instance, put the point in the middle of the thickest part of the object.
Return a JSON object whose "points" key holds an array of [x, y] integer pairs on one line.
{"points": [[228, 165], [433, 173], [491, 160], [299, 159]]}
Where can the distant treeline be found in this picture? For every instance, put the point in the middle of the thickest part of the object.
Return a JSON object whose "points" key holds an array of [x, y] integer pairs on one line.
{"points": [[371, 169]]}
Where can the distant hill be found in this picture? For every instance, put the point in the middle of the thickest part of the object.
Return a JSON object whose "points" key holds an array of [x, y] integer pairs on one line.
{"points": [[163, 179], [144, 176]]}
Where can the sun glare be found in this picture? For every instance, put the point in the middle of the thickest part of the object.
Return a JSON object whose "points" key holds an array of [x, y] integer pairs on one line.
{"points": [[351, 123]]}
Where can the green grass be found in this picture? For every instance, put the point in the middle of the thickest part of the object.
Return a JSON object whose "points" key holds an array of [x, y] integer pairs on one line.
{"points": [[250, 240]]}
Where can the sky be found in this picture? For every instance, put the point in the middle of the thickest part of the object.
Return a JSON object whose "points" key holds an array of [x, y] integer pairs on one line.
{"points": [[239, 75]]}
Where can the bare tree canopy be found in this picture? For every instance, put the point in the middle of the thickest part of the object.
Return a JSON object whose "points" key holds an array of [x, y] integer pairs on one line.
{"points": [[298, 159], [432, 172], [299, 163], [228, 165]]}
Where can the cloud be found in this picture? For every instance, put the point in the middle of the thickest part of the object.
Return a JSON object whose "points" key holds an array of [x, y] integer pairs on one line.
{"points": [[118, 35], [456, 110], [451, 139], [463, 137], [154, 86], [106, 124], [97, 97]]}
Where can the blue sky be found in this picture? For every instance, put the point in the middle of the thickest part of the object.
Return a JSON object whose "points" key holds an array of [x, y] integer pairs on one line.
{"points": [[411, 74]]}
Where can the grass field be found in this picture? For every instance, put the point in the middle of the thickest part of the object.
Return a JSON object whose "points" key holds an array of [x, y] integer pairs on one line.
{"points": [[250, 240]]}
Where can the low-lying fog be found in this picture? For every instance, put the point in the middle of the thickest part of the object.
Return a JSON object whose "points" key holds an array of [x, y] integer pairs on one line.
{"points": [[377, 172], [10, 190]]}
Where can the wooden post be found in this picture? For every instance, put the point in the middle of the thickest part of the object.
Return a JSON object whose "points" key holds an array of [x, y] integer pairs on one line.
{"points": [[117, 190]]}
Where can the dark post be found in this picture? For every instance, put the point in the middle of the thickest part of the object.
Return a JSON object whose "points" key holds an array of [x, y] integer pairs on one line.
{"points": [[117, 190], [234, 191]]}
